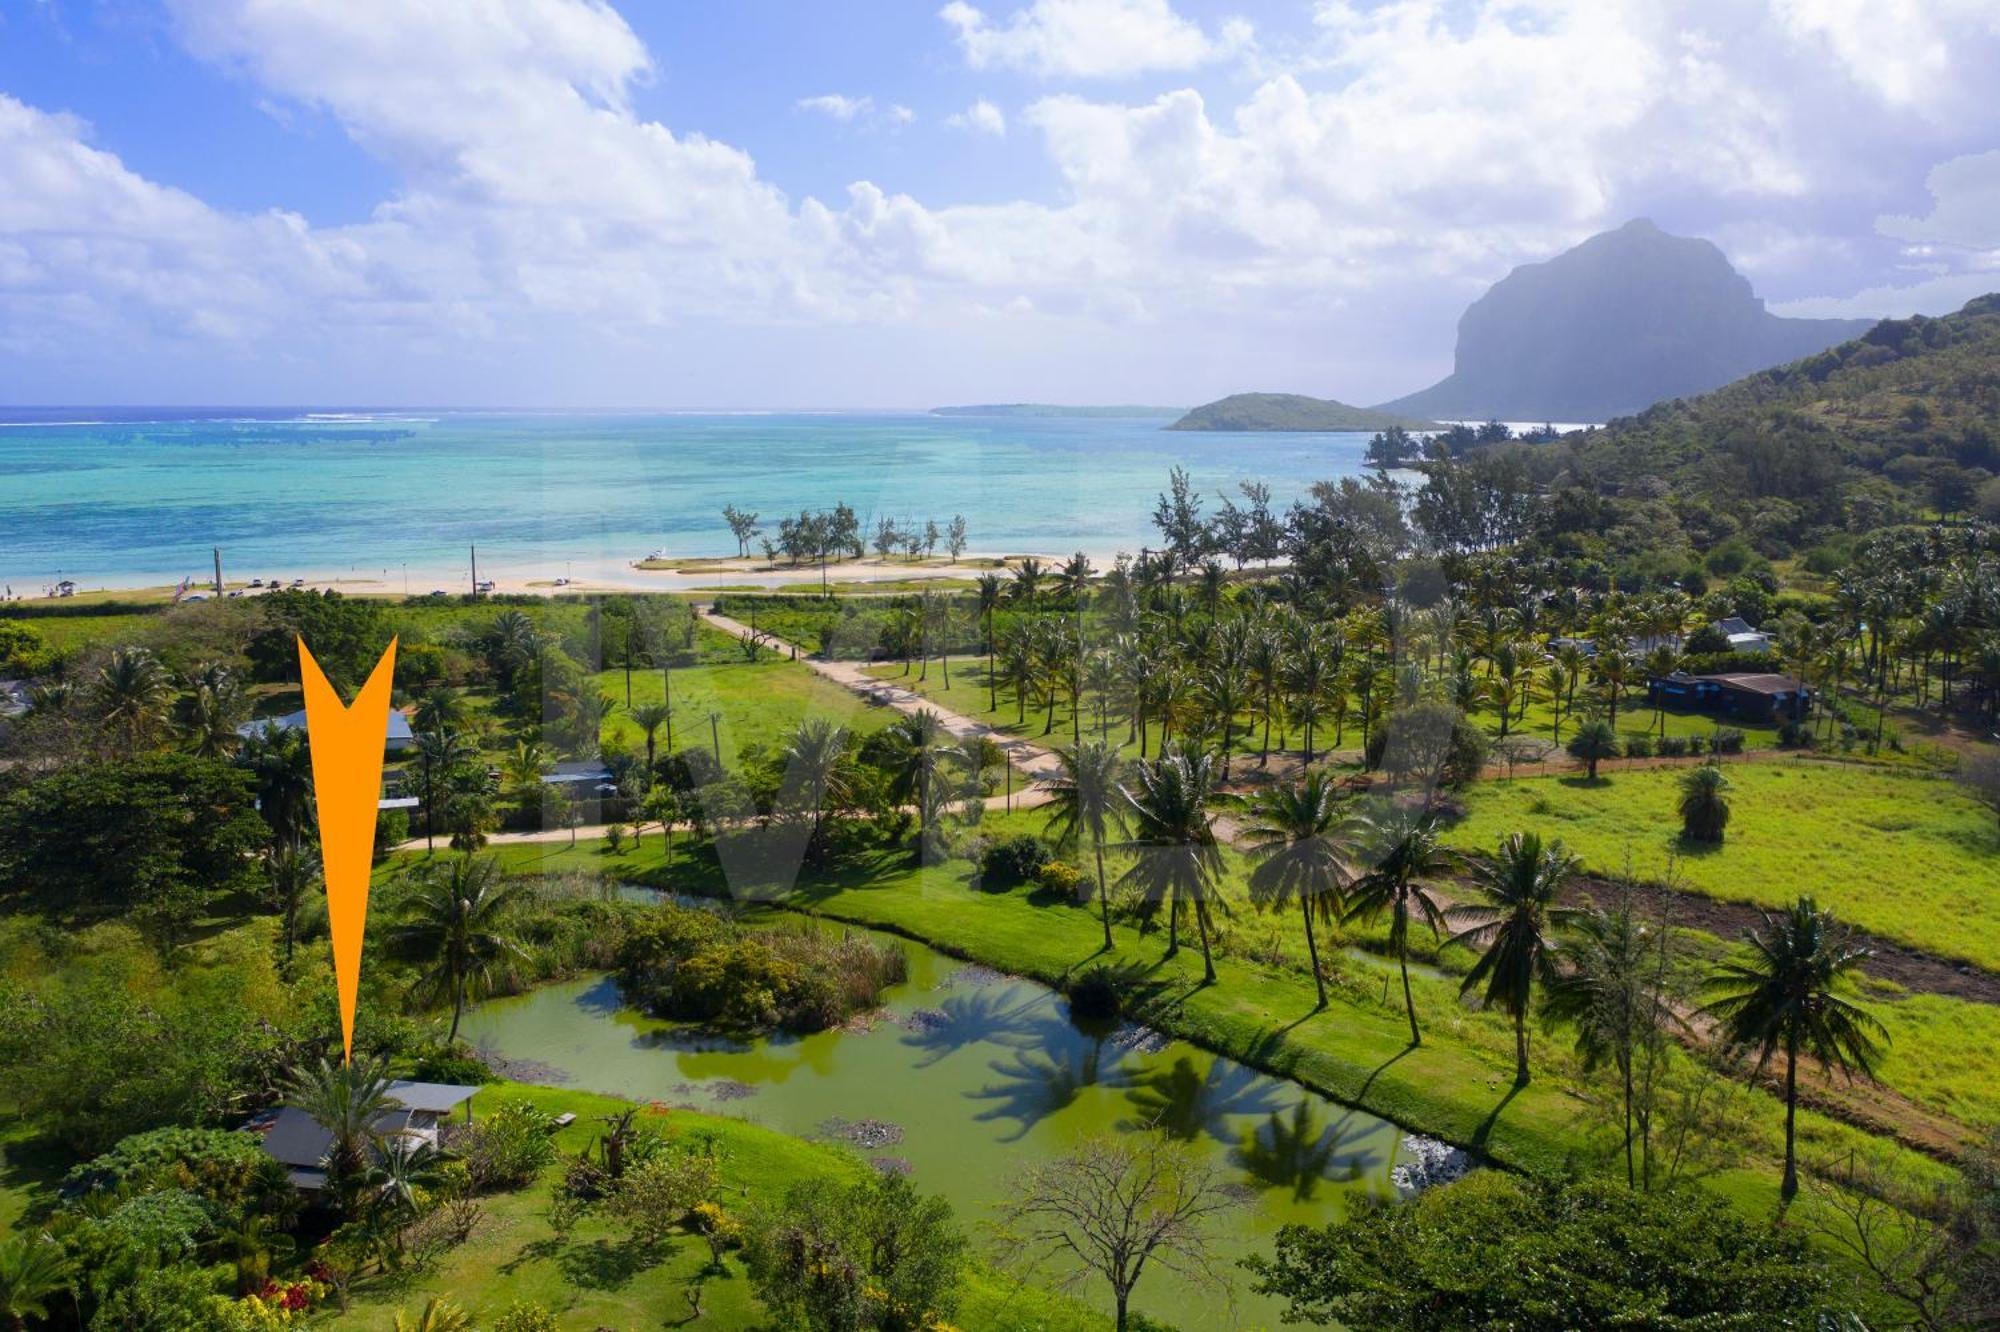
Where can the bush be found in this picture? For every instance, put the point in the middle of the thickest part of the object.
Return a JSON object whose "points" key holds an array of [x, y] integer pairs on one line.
{"points": [[217, 1165], [392, 828], [1098, 993], [451, 1063], [1060, 876], [509, 1147], [872, 1252], [524, 1317], [1795, 735], [1428, 742], [1726, 740], [1639, 745], [1673, 746], [1017, 860]]}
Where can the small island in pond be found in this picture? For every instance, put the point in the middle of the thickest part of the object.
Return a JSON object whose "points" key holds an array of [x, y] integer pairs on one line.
{"points": [[1290, 411]]}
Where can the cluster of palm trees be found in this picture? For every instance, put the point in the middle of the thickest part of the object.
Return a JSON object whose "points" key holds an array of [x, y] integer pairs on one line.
{"points": [[1340, 860], [1917, 615]]}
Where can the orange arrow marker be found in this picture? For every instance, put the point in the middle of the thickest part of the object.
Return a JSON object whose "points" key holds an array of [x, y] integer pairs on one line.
{"points": [[347, 744]]}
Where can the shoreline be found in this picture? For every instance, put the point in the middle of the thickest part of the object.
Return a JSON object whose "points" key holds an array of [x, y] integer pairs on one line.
{"points": [[681, 575]]}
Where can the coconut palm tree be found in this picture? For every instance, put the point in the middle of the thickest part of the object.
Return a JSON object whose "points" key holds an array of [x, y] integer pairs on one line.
{"points": [[280, 765], [991, 591], [1222, 693], [134, 694], [1084, 801], [347, 1100], [1613, 992], [1614, 671], [455, 919], [1704, 803], [440, 709], [1297, 835], [816, 767], [292, 868], [1516, 924], [1404, 848], [440, 754], [1787, 996], [1175, 857], [33, 1269], [921, 744], [1592, 743], [1028, 576], [1018, 657], [210, 713]]}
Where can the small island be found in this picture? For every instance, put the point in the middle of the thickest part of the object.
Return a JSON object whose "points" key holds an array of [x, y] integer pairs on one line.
{"points": [[1290, 411]]}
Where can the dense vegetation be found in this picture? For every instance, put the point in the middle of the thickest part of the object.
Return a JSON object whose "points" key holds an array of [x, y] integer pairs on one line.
{"points": [[1288, 411]]}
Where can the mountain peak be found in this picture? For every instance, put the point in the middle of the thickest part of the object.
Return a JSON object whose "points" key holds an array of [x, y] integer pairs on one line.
{"points": [[1625, 319]]}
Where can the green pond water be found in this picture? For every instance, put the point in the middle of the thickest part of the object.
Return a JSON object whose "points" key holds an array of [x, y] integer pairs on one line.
{"points": [[977, 1073]]}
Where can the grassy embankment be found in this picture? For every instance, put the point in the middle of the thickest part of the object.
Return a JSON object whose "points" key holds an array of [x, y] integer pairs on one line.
{"points": [[1456, 1085]]}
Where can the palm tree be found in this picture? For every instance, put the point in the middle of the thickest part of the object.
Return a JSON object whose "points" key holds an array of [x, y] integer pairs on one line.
{"points": [[292, 868], [1222, 693], [1786, 995], [134, 694], [1704, 803], [1296, 837], [920, 745], [214, 706], [1176, 860], [523, 770], [991, 591], [1592, 743], [815, 756], [32, 1269], [280, 764], [1028, 576], [439, 755], [440, 709], [1405, 850], [1614, 672], [1516, 923], [347, 1100], [1614, 992], [1084, 801], [439, 1315], [1661, 662], [650, 717], [456, 913]]}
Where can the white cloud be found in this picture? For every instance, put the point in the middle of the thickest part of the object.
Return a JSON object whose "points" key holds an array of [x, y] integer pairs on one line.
{"points": [[1090, 38], [1909, 53], [1334, 213], [837, 105], [981, 117]]}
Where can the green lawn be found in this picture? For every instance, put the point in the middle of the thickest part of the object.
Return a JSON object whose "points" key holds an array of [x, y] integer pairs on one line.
{"points": [[758, 703], [1633, 719], [1904, 855], [597, 1277]]}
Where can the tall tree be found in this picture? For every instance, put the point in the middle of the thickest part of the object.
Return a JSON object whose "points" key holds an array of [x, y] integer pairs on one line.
{"points": [[1404, 849], [1788, 996], [1516, 923], [1297, 836], [349, 1101], [1085, 802], [816, 769], [1175, 859], [134, 695], [456, 920]]}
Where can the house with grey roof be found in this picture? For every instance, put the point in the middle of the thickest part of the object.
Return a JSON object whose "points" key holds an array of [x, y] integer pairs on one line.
{"points": [[400, 736], [297, 1141]]}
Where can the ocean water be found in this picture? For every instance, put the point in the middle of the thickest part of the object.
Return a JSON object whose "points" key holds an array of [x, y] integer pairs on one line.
{"points": [[136, 497]]}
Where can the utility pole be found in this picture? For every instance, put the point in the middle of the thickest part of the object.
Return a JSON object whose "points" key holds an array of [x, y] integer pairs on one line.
{"points": [[218, 570], [475, 572]]}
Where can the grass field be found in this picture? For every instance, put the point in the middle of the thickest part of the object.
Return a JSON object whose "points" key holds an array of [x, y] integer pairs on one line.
{"points": [[1903, 855], [758, 703], [598, 1277]]}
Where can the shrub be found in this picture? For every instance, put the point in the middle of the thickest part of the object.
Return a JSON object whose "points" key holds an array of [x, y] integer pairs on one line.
{"points": [[1795, 735], [1592, 743], [614, 838], [868, 1253], [1016, 860], [1098, 993], [1726, 740], [1639, 746], [451, 1063], [1428, 742], [1673, 746], [508, 1148], [522, 1316], [1704, 803], [1060, 877], [654, 1197], [392, 828], [216, 1165]]}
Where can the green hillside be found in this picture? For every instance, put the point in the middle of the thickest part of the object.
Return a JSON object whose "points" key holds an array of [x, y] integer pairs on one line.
{"points": [[1288, 411]]}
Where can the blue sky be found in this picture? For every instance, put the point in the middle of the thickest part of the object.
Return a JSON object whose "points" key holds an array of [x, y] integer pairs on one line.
{"points": [[568, 202]]}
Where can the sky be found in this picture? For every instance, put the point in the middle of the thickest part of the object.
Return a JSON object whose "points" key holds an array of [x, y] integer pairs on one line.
{"points": [[779, 204]]}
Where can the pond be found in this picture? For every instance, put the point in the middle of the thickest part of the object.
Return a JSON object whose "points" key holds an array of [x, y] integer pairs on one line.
{"points": [[969, 1074]]}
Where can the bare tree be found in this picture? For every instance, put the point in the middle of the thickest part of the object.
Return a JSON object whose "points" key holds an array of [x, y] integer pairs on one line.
{"points": [[1114, 1205], [1911, 1249]]}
